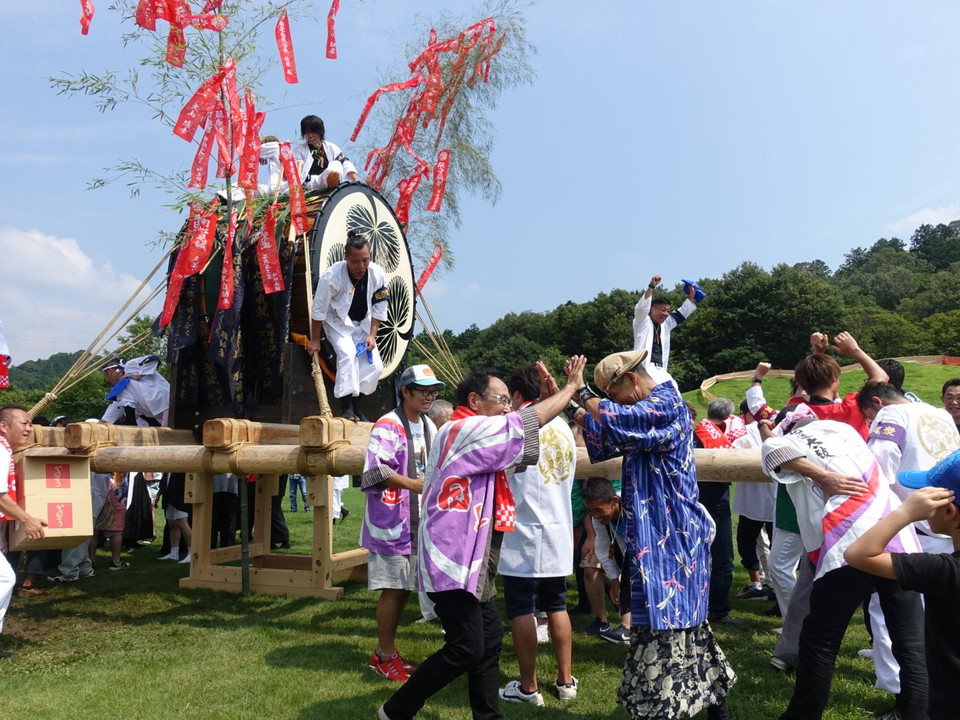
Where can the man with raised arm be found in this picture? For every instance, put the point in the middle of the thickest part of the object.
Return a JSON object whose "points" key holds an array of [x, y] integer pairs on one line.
{"points": [[653, 322], [467, 506], [818, 375], [537, 556]]}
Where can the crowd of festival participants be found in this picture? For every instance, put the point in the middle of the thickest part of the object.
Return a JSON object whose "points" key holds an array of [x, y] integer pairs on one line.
{"points": [[861, 512]]}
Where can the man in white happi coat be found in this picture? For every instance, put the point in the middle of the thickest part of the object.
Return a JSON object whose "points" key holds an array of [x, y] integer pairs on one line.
{"points": [[349, 304], [140, 394], [537, 557], [322, 164], [904, 436], [653, 322]]}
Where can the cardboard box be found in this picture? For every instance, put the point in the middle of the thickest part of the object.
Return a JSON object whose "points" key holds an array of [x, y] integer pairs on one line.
{"points": [[55, 489]]}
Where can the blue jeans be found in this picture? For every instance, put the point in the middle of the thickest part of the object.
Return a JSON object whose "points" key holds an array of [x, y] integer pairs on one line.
{"points": [[297, 481], [75, 562]]}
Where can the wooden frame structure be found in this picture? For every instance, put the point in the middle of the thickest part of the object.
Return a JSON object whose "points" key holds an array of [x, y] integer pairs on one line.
{"points": [[318, 448]]}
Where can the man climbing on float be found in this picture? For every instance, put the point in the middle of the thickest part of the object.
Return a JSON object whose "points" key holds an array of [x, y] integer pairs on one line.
{"points": [[349, 304]]}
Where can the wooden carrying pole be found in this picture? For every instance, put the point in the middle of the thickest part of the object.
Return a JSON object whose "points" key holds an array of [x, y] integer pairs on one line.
{"points": [[318, 448]]}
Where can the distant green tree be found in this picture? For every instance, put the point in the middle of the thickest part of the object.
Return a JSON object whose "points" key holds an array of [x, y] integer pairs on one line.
{"points": [[943, 333], [883, 275], [817, 268], [597, 327], [934, 293], [26, 397], [884, 334], [86, 399], [151, 345], [938, 245], [751, 314]]}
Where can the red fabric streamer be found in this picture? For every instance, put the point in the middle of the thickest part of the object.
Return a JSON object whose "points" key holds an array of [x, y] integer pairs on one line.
{"points": [[198, 172], [176, 46], [267, 255], [439, 180], [285, 48], [211, 5], [250, 156], [179, 13], [225, 300], [218, 118], [392, 87], [146, 15], [193, 255], [331, 30], [202, 242], [432, 91], [4, 372], [407, 187], [431, 266], [209, 21], [229, 85], [86, 10], [298, 203], [195, 112]]}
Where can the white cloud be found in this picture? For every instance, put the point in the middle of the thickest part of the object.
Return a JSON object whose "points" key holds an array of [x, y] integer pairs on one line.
{"points": [[904, 227], [53, 296]]}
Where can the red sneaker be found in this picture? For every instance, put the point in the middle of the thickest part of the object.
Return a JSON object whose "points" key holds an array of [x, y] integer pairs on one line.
{"points": [[406, 665], [391, 668]]}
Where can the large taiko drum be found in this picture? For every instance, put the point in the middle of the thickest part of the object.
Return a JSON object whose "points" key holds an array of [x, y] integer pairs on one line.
{"points": [[360, 208]]}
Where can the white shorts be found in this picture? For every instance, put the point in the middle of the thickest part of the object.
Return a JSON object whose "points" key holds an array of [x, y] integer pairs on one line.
{"points": [[391, 572], [171, 513]]}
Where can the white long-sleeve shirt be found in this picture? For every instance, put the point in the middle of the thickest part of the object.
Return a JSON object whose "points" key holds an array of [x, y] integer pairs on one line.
{"points": [[643, 327]]}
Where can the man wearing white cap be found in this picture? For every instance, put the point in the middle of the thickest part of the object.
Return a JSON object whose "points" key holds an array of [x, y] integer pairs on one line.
{"points": [[393, 479]]}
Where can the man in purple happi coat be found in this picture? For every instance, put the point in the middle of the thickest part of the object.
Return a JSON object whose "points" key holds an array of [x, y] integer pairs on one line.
{"points": [[466, 506]]}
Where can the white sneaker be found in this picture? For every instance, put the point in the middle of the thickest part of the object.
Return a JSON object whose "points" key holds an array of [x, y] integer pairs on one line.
{"points": [[171, 556], [512, 692], [185, 560], [568, 691], [866, 653]]}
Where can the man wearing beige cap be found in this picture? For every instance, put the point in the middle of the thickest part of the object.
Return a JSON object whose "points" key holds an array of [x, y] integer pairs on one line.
{"points": [[666, 573]]}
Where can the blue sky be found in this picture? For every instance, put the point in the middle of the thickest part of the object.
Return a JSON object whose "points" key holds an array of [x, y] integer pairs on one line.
{"points": [[672, 138]]}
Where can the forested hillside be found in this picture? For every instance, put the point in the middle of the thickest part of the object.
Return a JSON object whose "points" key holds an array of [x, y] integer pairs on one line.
{"points": [[897, 298]]}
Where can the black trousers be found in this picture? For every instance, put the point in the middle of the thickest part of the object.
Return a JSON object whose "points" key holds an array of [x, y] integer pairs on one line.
{"points": [[748, 530], [471, 645], [833, 601]]}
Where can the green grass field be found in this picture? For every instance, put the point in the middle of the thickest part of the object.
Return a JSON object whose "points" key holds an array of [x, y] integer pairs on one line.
{"points": [[131, 644]]}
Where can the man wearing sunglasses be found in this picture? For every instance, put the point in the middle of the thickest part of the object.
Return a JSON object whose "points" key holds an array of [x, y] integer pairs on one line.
{"points": [[467, 505], [393, 479]]}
